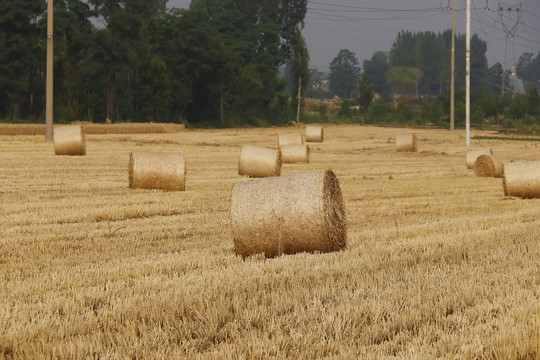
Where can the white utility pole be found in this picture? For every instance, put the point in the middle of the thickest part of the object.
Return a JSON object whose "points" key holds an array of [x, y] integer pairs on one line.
{"points": [[49, 80], [468, 76], [299, 97]]}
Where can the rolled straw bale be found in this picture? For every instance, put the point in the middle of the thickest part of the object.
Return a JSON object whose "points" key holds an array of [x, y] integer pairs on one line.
{"points": [[295, 153], [538, 334], [489, 166], [522, 178], [288, 214], [259, 162], [290, 138], [314, 134], [157, 170], [471, 156], [69, 140], [406, 142]]}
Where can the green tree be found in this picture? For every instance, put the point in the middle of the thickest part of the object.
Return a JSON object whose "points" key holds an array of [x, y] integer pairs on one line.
{"points": [[365, 96], [428, 58], [493, 106], [518, 108], [344, 74], [123, 52], [376, 69], [22, 58], [528, 69], [402, 51], [404, 80], [430, 53], [315, 85], [533, 98], [404, 112], [494, 79], [479, 64], [378, 112], [299, 69], [431, 111], [261, 36], [72, 33]]}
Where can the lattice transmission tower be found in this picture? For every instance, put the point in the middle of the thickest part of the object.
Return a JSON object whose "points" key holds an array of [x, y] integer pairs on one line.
{"points": [[510, 16]]}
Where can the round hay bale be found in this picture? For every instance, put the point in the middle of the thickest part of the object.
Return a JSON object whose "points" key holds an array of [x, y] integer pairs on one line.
{"points": [[259, 162], [288, 214], [538, 334], [295, 153], [314, 134], [522, 179], [489, 166], [157, 170], [472, 155], [69, 140], [406, 142], [290, 138]]}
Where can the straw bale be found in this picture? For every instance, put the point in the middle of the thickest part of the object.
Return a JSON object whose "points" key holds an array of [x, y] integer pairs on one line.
{"points": [[314, 134], [538, 334], [288, 214], [406, 142], [259, 162], [472, 155], [290, 138], [295, 153], [22, 129], [522, 179], [489, 165], [157, 170], [69, 140]]}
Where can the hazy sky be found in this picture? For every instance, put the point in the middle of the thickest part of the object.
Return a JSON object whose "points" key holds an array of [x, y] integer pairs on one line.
{"points": [[365, 26]]}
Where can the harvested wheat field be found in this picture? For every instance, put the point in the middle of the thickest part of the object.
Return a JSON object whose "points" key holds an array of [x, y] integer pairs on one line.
{"points": [[438, 262]]}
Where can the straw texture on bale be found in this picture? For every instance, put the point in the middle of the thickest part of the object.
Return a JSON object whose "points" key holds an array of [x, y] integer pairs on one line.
{"points": [[522, 179], [538, 334], [489, 166], [69, 140], [406, 142], [295, 153], [314, 134], [157, 170], [259, 162], [288, 214], [472, 155], [290, 139]]}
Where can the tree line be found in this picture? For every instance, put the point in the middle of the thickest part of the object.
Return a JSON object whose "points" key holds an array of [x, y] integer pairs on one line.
{"points": [[418, 64], [217, 62], [220, 63], [416, 70]]}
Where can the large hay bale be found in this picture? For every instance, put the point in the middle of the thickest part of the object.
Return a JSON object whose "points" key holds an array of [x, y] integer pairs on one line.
{"points": [[538, 334], [295, 153], [489, 166], [157, 170], [69, 140], [288, 214], [314, 134], [472, 155], [406, 142], [259, 162], [522, 179], [290, 139]]}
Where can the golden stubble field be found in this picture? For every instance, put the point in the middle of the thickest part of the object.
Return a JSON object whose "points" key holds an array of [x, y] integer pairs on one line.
{"points": [[438, 264]]}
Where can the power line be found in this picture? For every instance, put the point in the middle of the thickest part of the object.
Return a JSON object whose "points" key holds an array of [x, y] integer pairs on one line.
{"points": [[345, 15]]}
